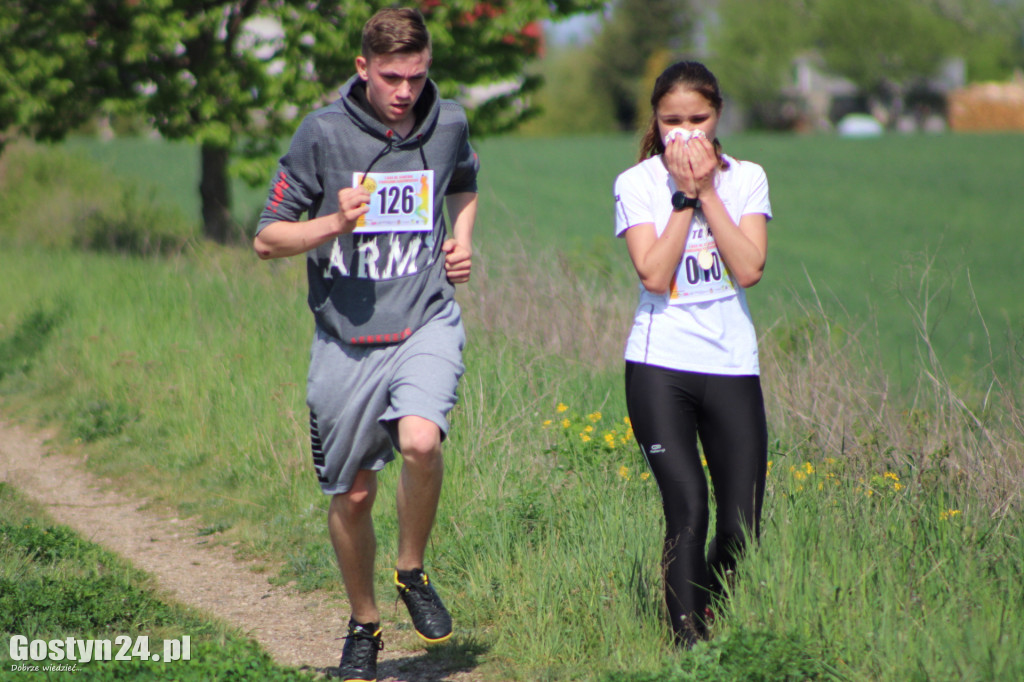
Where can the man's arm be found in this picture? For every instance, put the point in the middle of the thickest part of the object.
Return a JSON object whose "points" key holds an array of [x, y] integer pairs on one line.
{"points": [[459, 249], [283, 238]]}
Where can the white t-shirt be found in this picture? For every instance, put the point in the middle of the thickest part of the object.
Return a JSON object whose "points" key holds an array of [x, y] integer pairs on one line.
{"points": [[703, 324]]}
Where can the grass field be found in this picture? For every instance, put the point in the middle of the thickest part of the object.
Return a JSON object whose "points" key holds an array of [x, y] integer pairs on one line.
{"points": [[880, 230], [893, 533]]}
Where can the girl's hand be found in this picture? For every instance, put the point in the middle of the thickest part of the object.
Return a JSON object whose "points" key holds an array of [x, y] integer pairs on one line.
{"points": [[703, 163], [677, 161]]}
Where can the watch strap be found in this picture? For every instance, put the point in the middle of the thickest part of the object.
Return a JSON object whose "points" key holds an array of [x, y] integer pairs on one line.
{"points": [[681, 202]]}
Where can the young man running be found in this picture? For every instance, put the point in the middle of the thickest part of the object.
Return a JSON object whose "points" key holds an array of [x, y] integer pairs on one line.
{"points": [[371, 172]]}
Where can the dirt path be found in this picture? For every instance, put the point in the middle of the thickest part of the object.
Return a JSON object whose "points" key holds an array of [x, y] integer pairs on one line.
{"points": [[295, 629]]}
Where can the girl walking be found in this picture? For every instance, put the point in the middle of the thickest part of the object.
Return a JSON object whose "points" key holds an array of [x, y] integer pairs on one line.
{"points": [[695, 224]]}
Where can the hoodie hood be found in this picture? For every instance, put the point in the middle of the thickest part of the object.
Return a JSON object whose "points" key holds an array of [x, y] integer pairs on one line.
{"points": [[357, 105]]}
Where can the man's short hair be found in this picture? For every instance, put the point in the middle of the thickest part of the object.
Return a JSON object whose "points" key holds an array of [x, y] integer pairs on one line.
{"points": [[394, 30]]}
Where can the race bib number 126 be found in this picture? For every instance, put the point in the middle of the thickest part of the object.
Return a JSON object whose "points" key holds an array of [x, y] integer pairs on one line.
{"points": [[399, 202]]}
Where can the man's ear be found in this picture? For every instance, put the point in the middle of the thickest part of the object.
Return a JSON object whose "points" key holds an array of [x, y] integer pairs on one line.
{"points": [[362, 67]]}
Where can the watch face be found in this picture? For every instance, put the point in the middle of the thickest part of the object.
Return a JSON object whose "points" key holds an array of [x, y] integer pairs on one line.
{"points": [[678, 201]]}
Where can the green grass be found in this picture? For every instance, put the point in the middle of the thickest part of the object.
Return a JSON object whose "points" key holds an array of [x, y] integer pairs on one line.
{"points": [[891, 568], [863, 224], [858, 223], [170, 169], [55, 585], [183, 377]]}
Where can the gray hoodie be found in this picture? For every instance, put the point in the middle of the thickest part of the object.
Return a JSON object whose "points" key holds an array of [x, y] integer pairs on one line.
{"points": [[373, 288]]}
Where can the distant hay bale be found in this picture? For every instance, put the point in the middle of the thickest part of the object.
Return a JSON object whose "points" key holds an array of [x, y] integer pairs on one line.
{"points": [[988, 107]]}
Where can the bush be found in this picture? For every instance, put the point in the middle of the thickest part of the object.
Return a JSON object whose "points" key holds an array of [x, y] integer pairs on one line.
{"points": [[53, 199]]}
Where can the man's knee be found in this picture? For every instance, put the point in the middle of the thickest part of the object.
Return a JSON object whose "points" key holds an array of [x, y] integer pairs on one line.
{"points": [[419, 441]]}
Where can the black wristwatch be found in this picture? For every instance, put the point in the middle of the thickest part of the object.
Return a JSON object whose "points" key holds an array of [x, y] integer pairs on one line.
{"points": [[681, 202]]}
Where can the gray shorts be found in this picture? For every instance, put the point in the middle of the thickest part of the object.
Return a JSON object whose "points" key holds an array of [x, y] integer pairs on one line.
{"points": [[356, 394]]}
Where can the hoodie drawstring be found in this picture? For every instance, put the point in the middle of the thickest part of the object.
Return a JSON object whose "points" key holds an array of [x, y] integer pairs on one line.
{"points": [[387, 148], [389, 145], [423, 155]]}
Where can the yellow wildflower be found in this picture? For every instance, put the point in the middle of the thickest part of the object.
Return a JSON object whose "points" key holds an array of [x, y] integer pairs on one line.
{"points": [[645, 475], [566, 423], [585, 438], [562, 407], [809, 468], [948, 514], [588, 428], [547, 422], [891, 475], [594, 417], [624, 472]]}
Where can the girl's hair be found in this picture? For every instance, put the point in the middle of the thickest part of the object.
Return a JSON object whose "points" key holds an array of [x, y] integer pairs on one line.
{"points": [[394, 30], [689, 76]]}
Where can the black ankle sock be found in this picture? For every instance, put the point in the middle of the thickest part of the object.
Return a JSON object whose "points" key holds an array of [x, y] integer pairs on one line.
{"points": [[372, 627]]}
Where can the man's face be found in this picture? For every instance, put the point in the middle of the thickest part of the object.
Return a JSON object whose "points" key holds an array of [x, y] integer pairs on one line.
{"points": [[393, 84]]}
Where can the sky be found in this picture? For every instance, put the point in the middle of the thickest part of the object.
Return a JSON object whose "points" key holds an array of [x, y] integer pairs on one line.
{"points": [[577, 29]]}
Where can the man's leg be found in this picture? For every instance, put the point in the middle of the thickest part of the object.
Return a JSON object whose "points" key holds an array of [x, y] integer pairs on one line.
{"points": [[419, 488], [350, 523]]}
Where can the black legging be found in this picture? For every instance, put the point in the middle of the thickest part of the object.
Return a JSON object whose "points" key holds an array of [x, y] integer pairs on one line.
{"points": [[669, 410]]}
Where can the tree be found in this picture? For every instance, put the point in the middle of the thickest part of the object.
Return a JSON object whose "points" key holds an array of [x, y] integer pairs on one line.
{"points": [[636, 32], [570, 102], [201, 71], [883, 45], [752, 47], [53, 73], [990, 36]]}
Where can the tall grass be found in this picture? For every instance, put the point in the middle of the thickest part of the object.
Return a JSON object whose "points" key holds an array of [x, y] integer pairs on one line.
{"points": [[892, 539]]}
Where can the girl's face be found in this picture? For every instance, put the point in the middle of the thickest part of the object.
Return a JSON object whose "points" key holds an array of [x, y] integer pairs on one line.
{"points": [[686, 109]]}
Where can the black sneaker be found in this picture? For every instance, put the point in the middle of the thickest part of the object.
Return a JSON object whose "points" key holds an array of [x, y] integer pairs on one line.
{"points": [[359, 657], [429, 616]]}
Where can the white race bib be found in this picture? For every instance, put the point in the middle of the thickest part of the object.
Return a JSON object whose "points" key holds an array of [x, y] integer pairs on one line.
{"points": [[702, 275], [399, 202]]}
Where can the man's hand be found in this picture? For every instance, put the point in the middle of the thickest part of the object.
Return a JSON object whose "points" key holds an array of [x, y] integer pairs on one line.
{"points": [[352, 203], [457, 261]]}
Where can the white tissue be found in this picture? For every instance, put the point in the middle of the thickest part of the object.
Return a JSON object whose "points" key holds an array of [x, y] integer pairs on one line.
{"points": [[686, 135]]}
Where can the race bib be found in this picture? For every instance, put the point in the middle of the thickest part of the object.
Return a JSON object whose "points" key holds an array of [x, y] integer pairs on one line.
{"points": [[399, 202], [702, 275]]}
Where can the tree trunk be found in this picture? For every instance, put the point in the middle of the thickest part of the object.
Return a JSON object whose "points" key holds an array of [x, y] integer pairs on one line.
{"points": [[216, 194]]}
